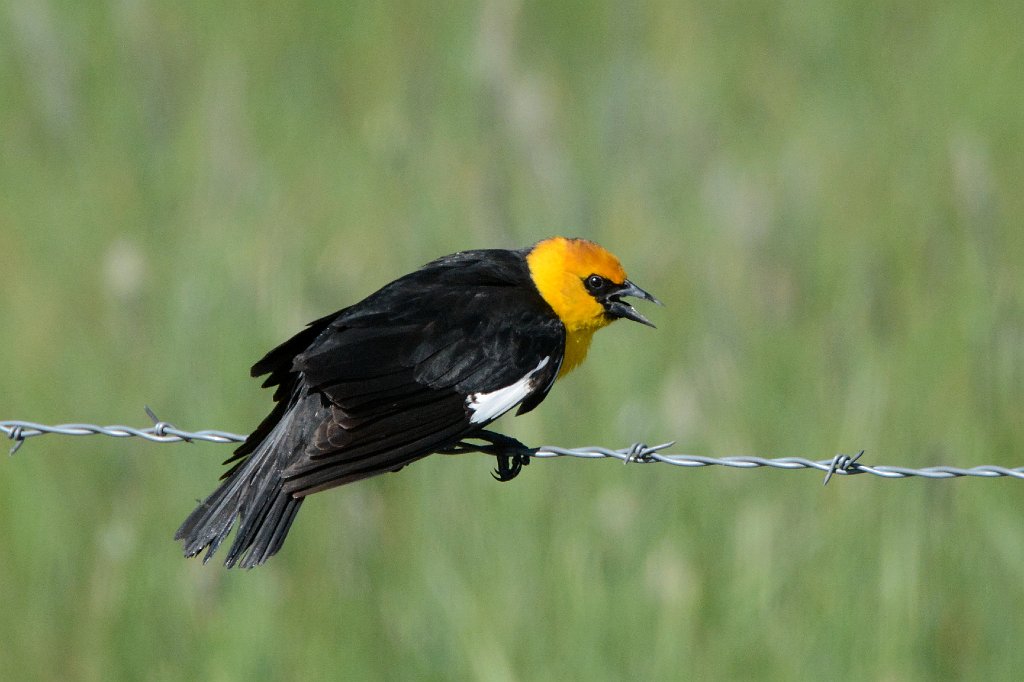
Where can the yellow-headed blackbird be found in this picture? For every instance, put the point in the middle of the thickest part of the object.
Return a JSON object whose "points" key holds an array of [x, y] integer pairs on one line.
{"points": [[428, 360]]}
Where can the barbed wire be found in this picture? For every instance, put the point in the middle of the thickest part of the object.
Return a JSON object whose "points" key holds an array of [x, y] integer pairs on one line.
{"points": [[639, 453]]}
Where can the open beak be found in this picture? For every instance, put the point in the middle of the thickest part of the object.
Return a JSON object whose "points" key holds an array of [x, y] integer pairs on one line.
{"points": [[618, 308]]}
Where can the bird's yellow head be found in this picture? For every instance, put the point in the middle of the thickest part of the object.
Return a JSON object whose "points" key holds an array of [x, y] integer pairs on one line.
{"points": [[584, 284]]}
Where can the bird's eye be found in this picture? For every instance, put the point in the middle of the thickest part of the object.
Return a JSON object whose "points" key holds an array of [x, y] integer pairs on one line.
{"points": [[595, 283]]}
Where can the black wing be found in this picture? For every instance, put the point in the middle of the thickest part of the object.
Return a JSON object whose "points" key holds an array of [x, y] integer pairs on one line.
{"points": [[393, 372]]}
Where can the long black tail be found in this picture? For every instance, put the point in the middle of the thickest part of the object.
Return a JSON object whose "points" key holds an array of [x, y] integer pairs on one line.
{"points": [[254, 493]]}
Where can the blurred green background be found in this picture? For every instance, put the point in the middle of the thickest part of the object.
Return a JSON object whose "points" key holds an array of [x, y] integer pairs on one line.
{"points": [[826, 195]]}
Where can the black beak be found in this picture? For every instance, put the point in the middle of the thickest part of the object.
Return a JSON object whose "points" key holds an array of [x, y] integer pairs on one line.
{"points": [[617, 308]]}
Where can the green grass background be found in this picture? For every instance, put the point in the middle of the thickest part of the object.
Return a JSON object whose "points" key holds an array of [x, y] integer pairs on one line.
{"points": [[827, 196]]}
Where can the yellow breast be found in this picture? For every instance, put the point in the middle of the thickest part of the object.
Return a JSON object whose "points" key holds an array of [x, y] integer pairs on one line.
{"points": [[577, 343]]}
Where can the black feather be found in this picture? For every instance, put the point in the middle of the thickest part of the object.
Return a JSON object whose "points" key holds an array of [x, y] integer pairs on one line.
{"points": [[376, 386]]}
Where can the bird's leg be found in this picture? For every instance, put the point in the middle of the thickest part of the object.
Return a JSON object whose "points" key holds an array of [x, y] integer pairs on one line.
{"points": [[511, 453]]}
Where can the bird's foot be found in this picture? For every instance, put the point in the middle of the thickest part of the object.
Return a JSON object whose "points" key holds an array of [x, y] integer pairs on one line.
{"points": [[512, 454], [509, 466]]}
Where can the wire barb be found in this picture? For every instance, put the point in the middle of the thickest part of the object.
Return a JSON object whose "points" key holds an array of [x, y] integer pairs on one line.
{"points": [[18, 436], [161, 428], [499, 445], [842, 464]]}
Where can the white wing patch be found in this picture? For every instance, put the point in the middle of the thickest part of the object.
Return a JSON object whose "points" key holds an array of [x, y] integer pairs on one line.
{"points": [[489, 406]]}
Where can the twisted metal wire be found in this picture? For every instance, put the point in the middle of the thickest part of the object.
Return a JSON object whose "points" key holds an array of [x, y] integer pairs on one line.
{"points": [[639, 453], [159, 432]]}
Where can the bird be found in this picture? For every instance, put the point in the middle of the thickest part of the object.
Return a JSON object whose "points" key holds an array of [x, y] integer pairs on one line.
{"points": [[413, 369]]}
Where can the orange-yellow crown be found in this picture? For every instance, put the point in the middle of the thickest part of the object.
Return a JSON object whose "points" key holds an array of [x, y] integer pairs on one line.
{"points": [[558, 267]]}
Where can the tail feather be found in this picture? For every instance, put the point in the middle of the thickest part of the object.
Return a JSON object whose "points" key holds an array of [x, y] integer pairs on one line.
{"points": [[254, 493]]}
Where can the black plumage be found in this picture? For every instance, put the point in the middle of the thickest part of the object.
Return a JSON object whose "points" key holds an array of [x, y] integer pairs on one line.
{"points": [[378, 385]]}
